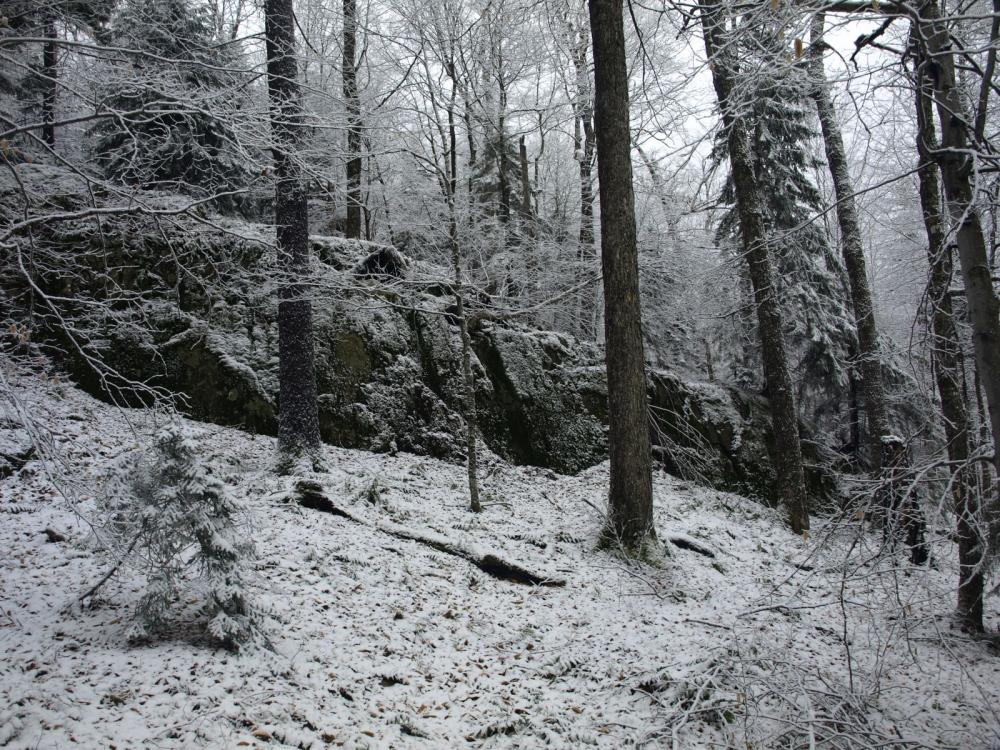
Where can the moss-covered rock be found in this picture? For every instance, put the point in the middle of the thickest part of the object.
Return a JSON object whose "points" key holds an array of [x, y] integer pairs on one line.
{"points": [[190, 314], [535, 413]]}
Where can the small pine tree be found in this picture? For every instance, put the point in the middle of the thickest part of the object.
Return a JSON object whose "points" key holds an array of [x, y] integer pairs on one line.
{"points": [[176, 516]]}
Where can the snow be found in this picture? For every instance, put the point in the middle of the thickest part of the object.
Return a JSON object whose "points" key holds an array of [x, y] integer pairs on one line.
{"points": [[382, 642]]}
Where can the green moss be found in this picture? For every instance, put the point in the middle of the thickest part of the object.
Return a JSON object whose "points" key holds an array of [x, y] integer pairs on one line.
{"points": [[650, 550]]}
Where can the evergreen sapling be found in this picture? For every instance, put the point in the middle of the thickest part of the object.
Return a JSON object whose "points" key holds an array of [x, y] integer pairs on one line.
{"points": [[176, 517]]}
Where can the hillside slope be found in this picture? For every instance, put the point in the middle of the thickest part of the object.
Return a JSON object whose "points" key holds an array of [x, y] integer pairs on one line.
{"points": [[378, 641]]}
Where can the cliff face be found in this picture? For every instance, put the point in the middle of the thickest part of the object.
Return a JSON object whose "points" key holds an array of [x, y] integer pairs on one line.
{"points": [[189, 311]]}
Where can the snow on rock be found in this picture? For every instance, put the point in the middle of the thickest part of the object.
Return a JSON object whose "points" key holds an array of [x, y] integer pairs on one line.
{"points": [[193, 315], [386, 642]]}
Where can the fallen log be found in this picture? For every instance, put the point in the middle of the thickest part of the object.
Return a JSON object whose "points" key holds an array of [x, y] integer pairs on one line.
{"points": [[309, 494]]}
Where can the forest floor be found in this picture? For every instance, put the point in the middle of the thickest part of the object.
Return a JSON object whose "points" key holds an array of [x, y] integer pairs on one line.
{"points": [[747, 636]]}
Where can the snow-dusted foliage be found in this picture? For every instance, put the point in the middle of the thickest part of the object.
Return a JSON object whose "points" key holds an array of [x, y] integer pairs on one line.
{"points": [[811, 282], [180, 526], [176, 125]]}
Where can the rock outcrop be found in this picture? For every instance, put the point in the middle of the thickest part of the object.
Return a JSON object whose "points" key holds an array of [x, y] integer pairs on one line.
{"points": [[387, 348]]}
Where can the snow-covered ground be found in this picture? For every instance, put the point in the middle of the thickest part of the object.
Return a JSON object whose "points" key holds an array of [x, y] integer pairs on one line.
{"points": [[383, 642]]}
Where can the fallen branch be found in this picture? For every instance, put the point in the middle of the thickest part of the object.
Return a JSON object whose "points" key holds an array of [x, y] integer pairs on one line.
{"points": [[104, 579], [310, 495], [686, 542]]}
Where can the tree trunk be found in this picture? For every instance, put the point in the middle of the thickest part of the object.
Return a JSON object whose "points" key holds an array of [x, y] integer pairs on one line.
{"points": [[50, 76], [949, 370], [656, 179], [854, 408], [778, 381], [958, 171], [468, 380], [471, 414], [526, 213], [537, 197], [349, 74], [298, 421], [587, 186], [630, 502], [584, 143], [870, 363], [503, 166], [471, 138]]}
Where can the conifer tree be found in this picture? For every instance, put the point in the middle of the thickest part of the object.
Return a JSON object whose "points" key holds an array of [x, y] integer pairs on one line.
{"points": [[173, 128], [819, 329], [37, 91], [175, 515]]}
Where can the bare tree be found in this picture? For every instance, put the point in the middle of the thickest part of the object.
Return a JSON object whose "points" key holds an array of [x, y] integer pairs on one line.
{"points": [[352, 101], [949, 371], [957, 161], [584, 142], [852, 248]]}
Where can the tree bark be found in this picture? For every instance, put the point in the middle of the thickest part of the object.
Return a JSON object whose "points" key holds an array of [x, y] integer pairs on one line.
{"points": [[630, 501], [526, 213], [585, 147], [468, 379], [471, 138], [503, 165], [298, 420], [873, 388], [50, 74], [949, 370], [471, 414], [958, 170], [584, 141], [349, 74], [587, 188], [778, 381]]}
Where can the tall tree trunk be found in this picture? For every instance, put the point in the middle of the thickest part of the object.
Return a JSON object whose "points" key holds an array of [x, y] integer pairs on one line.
{"points": [[471, 414], [349, 74], [587, 185], [526, 211], [298, 420], [50, 76], [778, 381], [986, 481], [630, 502], [949, 370], [468, 379], [854, 408], [471, 139], [656, 179], [503, 165], [958, 171], [983, 102], [537, 196], [585, 144], [873, 388]]}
